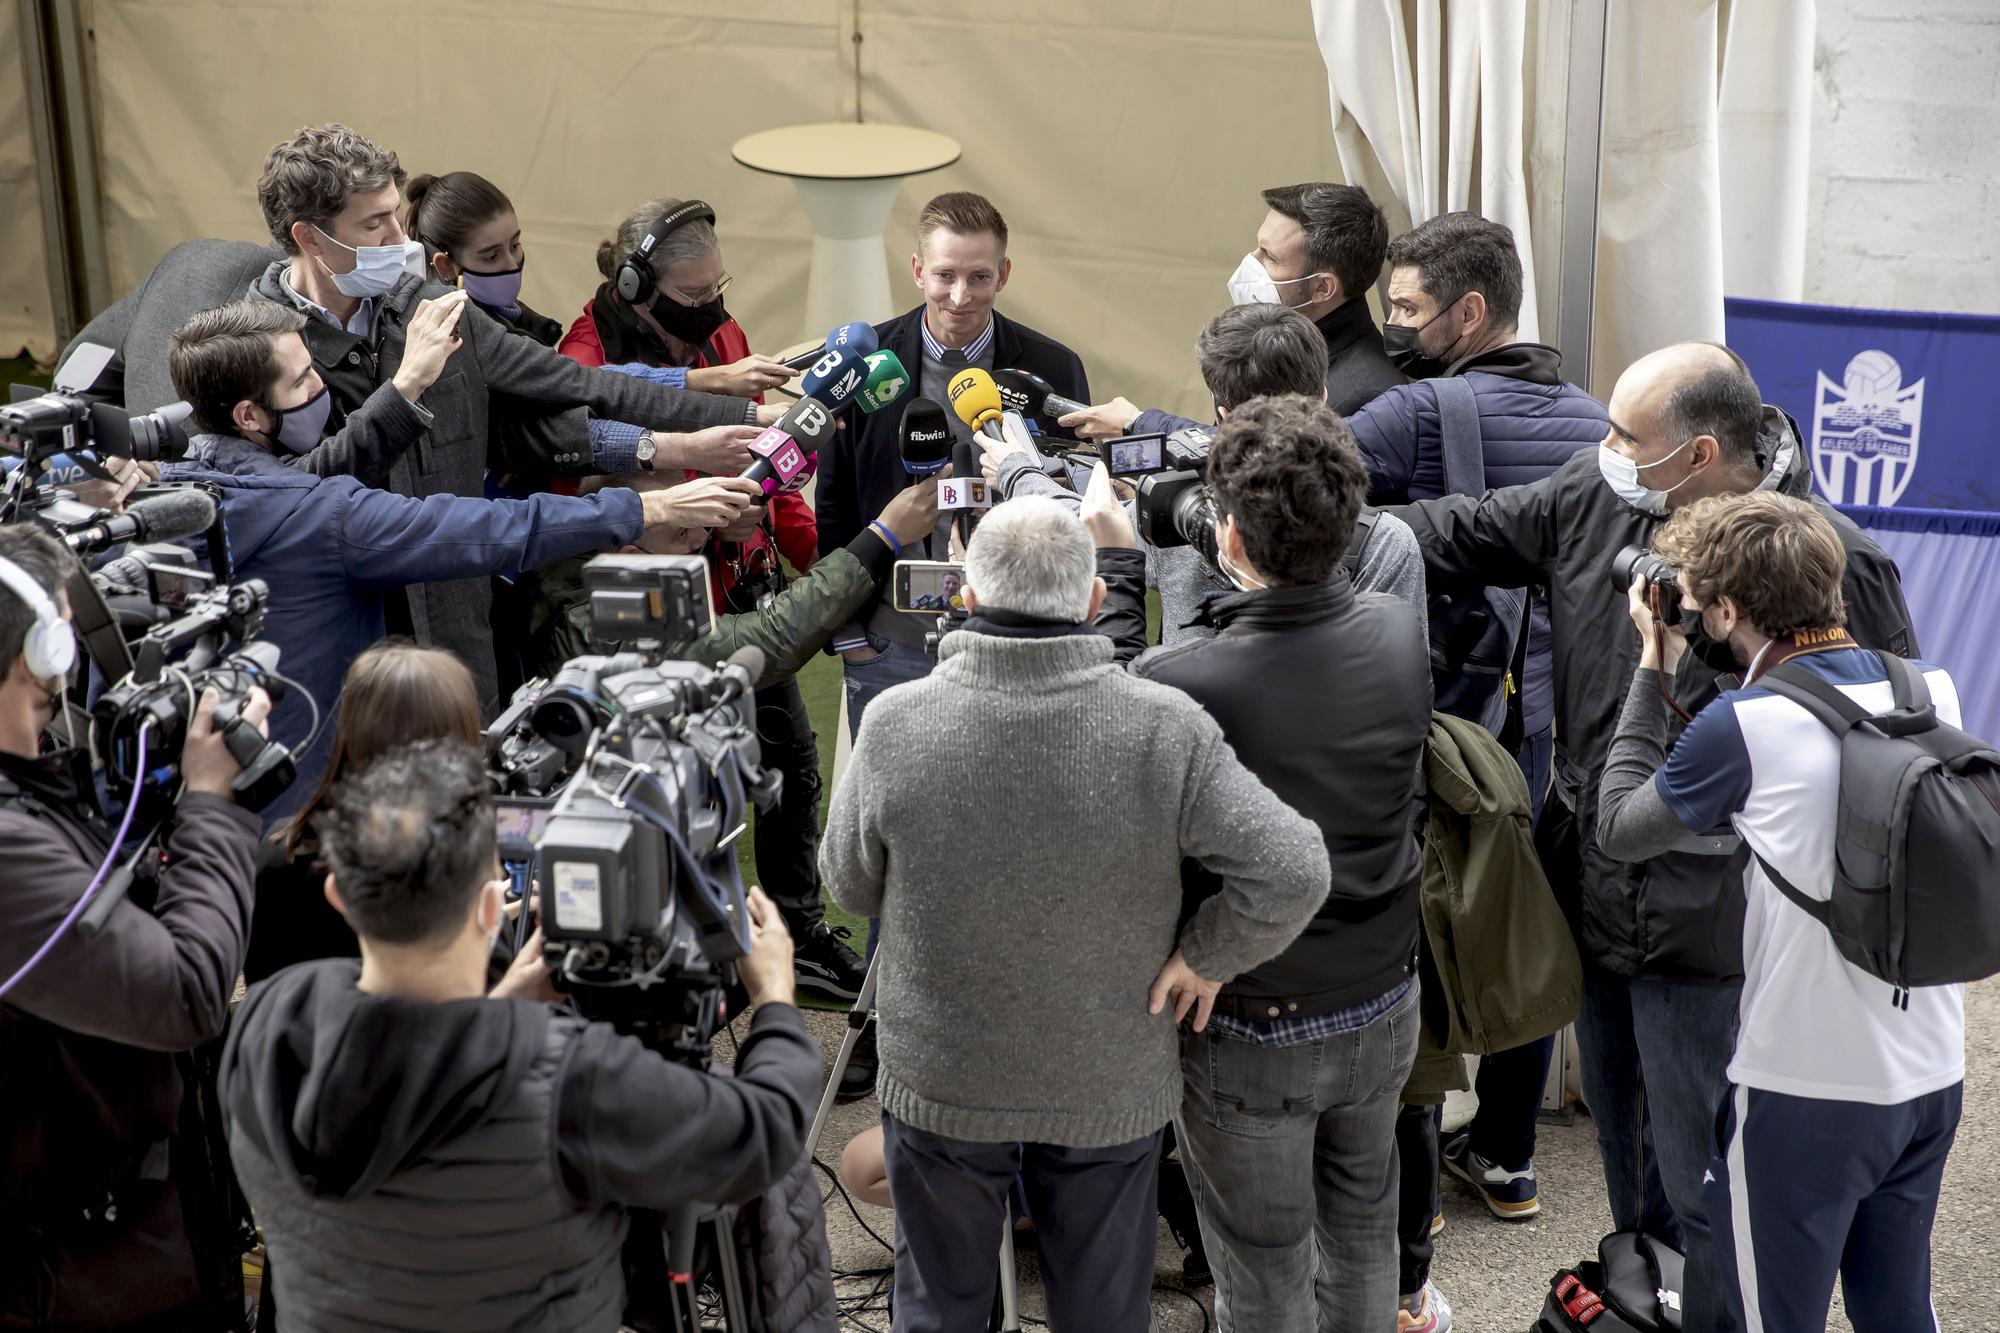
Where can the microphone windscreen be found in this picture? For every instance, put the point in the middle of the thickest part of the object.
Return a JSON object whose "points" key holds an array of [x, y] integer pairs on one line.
{"points": [[1022, 391], [857, 337], [924, 438], [835, 378], [975, 397], [172, 515], [886, 382], [809, 422], [751, 658]]}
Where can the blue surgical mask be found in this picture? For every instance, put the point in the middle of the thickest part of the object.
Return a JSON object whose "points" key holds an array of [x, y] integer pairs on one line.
{"points": [[1622, 475], [376, 267], [299, 428]]}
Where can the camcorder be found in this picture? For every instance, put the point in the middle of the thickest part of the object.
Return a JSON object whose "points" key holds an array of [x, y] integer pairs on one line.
{"points": [[1175, 506], [623, 783]]}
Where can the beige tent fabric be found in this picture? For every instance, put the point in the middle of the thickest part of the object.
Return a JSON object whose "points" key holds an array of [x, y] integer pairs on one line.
{"points": [[26, 319], [1125, 143]]}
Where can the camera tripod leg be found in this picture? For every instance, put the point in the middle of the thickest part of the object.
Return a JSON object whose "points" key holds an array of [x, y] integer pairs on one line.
{"points": [[1010, 1294], [857, 1018], [735, 1313]]}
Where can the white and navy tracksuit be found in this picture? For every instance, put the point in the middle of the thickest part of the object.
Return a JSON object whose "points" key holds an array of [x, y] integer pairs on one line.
{"points": [[1842, 1105]]}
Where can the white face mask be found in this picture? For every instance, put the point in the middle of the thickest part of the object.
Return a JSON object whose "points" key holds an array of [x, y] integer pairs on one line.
{"points": [[1242, 580], [1622, 475], [376, 267], [1252, 283]]}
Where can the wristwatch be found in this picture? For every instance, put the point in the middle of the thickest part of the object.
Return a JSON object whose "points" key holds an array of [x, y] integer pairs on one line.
{"points": [[643, 451]]}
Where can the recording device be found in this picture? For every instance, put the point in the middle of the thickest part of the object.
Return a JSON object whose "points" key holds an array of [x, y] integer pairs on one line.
{"points": [[928, 587], [167, 516], [40, 425], [857, 337], [976, 399], [835, 378], [1135, 455], [1032, 396], [886, 382], [1662, 583], [923, 439], [1175, 507], [787, 451], [649, 600], [964, 493]]}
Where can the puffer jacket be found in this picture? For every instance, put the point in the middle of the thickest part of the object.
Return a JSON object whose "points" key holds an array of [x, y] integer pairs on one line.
{"points": [[1682, 912]]}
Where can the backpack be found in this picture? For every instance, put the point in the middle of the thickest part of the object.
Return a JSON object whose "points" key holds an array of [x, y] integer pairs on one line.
{"points": [[1472, 636], [1916, 855], [1633, 1286]]}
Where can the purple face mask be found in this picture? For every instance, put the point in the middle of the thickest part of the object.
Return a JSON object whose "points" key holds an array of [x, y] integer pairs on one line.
{"points": [[500, 290]]}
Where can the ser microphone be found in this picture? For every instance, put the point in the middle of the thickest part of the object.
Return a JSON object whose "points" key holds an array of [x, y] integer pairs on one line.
{"points": [[923, 439], [1029, 394], [857, 337], [156, 518], [976, 400]]}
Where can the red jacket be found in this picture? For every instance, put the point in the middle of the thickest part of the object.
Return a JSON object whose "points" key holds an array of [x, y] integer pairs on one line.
{"points": [[791, 517]]}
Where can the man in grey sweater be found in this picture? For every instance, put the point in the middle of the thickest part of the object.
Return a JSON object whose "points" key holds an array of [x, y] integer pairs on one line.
{"points": [[1052, 1056]]}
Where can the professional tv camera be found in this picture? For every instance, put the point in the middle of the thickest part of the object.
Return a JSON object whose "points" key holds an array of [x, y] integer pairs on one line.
{"points": [[66, 424], [1175, 507], [626, 780]]}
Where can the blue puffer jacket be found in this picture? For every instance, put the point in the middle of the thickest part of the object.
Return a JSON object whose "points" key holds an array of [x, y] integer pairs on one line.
{"points": [[1530, 421], [332, 550]]}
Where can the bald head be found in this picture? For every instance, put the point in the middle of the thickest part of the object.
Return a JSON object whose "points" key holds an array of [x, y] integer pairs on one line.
{"points": [[1689, 413]]}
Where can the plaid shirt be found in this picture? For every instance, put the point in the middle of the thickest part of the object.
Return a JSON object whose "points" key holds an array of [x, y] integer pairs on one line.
{"points": [[1299, 1031]]}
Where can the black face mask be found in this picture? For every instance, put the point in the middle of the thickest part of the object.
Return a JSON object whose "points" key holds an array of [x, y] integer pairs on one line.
{"points": [[1715, 654], [692, 324], [1400, 342]]}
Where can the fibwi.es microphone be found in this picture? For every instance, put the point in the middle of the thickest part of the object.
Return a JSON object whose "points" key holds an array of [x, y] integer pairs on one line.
{"points": [[924, 438], [857, 337], [885, 383], [1032, 396], [835, 378], [976, 400], [786, 451], [155, 518]]}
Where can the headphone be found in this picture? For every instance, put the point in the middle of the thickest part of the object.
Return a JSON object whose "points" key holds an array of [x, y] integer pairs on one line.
{"points": [[635, 277], [49, 647]]}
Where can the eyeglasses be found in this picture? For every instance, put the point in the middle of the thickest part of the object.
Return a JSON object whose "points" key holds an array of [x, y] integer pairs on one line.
{"points": [[699, 298]]}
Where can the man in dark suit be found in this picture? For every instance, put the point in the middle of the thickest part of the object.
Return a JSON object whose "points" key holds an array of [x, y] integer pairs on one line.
{"points": [[1319, 250], [961, 266]]}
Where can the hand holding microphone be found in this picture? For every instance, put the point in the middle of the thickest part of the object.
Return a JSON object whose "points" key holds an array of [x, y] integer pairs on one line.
{"points": [[705, 502], [912, 514], [1032, 396], [1107, 421], [747, 378], [786, 453]]}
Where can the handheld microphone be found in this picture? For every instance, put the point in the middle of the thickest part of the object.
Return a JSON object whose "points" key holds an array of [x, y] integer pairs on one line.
{"points": [[787, 450], [857, 337], [1029, 394], [835, 378], [976, 400], [924, 438], [885, 383], [157, 518]]}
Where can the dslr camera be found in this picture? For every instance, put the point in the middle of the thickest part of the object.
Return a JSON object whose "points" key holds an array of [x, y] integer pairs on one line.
{"points": [[1662, 582], [623, 783]]}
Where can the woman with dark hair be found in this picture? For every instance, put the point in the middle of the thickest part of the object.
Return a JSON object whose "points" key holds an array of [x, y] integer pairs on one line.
{"points": [[394, 693], [472, 240]]}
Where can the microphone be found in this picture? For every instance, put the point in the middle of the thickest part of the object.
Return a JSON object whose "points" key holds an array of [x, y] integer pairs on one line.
{"points": [[62, 469], [1029, 394], [857, 337], [835, 378], [157, 518], [924, 438], [885, 383], [787, 450], [976, 399]]}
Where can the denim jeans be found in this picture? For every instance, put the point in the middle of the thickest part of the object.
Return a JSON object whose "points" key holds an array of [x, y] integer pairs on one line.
{"points": [[1096, 1220], [893, 664], [1655, 1054], [787, 835], [1291, 1152]]}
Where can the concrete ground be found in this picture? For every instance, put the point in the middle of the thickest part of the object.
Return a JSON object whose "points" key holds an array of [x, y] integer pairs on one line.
{"points": [[1495, 1273]]}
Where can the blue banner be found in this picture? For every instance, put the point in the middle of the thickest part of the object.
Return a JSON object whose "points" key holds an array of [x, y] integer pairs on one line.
{"points": [[1898, 408]]}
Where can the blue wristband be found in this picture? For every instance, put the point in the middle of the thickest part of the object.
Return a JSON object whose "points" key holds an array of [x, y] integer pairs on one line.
{"points": [[895, 547]]}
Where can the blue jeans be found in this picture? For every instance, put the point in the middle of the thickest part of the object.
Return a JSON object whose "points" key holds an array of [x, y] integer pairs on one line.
{"points": [[1096, 1219], [1291, 1152], [1803, 1189], [893, 664], [1655, 1059]]}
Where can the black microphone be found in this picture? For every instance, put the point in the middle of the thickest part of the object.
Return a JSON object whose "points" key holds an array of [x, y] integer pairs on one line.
{"points": [[924, 438], [1029, 394], [156, 518]]}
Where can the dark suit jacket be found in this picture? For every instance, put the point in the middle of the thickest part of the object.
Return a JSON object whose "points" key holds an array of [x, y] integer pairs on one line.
{"points": [[861, 470]]}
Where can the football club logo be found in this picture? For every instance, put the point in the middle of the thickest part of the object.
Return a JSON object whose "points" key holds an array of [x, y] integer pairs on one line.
{"points": [[1864, 435]]}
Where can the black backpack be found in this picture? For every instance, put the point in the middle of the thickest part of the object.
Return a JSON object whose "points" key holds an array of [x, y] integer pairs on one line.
{"points": [[1916, 858], [1633, 1286]]}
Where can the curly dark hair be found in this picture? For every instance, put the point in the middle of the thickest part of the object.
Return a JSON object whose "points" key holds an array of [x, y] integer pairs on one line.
{"points": [[308, 177], [1777, 557], [1290, 473], [410, 841]]}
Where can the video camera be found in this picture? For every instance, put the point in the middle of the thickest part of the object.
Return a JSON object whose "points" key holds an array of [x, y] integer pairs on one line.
{"points": [[82, 430], [626, 781], [1175, 507]]}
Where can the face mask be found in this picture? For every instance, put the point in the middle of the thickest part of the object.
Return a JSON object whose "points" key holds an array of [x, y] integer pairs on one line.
{"points": [[1252, 284], [376, 267], [1622, 475], [692, 324], [1400, 342], [1715, 654], [1242, 581], [299, 428], [501, 290]]}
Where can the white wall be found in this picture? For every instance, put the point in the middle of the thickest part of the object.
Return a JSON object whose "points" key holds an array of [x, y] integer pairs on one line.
{"points": [[1905, 205]]}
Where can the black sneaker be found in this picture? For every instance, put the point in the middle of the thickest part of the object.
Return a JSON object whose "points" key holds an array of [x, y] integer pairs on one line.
{"points": [[827, 968], [857, 1081]]}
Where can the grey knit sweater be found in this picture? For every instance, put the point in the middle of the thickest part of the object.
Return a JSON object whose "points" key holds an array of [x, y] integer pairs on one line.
{"points": [[1017, 952]]}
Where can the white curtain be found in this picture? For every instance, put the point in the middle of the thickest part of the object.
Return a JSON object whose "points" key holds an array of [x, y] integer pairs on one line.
{"points": [[1450, 104]]}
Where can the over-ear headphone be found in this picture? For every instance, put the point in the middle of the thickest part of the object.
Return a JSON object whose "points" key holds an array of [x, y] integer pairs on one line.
{"points": [[635, 277], [49, 647]]}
